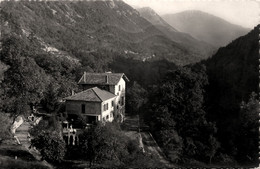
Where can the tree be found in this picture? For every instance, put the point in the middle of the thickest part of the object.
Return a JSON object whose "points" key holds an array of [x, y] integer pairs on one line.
{"points": [[47, 138], [136, 97], [5, 122], [51, 146], [108, 147], [212, 148], [24, 82], [104, 143], [50, 100], [172, 144], [176, 108], [247, 140]]}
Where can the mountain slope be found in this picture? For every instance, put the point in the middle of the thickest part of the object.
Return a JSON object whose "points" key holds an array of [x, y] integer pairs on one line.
{"points": [[205, 27], [80, 28], [150, 15], [188, 41], [233, 76]]}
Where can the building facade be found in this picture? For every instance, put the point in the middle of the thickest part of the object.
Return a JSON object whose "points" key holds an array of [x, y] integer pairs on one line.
{"points": [[93, 104], [114, 83]]}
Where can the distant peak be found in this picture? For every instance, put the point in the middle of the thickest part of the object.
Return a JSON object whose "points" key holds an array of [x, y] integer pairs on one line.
{"points": [[194, 12], [111, 3], [147, 9]]}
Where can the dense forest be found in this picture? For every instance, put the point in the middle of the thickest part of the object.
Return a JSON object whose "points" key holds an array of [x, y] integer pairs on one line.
{"points": [[222, 91], [200, 114], [233, 81]]}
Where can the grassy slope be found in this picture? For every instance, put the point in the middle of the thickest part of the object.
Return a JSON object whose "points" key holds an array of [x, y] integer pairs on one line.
{"points": [[9, 150]]}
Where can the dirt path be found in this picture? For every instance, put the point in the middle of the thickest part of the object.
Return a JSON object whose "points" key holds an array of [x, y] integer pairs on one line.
{"points": [[22, 133], [150, 146]]}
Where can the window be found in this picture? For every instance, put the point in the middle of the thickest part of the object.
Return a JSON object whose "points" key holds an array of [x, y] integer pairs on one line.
{"points": [[112, 103], [83, 108], [122, 103], [119, 88], [107, 117], [105, 107]]}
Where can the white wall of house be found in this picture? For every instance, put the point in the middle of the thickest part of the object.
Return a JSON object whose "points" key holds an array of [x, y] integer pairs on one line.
{"points": [[120, 91], [107, 109]]}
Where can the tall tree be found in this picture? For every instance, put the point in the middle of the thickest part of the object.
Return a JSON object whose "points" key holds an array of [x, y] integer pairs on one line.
{"points": [[248, 137], [24, 82], [136, 97], [104, 143], [50, 100], [178, 101]]}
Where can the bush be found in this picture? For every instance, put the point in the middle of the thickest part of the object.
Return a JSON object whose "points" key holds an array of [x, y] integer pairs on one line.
{"points": [[5, 122], [48, 139], [51, 146]]}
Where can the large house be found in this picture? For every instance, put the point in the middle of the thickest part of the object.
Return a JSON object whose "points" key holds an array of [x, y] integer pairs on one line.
{"points": [[93, 104], [102, 98]]}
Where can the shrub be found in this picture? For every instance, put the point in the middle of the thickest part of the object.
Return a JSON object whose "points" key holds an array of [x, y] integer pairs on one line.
{"points": [[5, 122], [51, 146]]}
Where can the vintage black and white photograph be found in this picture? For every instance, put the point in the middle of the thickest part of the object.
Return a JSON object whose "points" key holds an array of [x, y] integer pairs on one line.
{"points": [[129, 84]]}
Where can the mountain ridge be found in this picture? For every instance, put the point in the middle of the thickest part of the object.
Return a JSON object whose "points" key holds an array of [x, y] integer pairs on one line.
{"points": [[233, 76], [192, 44], [205, 26], [81, 27]]}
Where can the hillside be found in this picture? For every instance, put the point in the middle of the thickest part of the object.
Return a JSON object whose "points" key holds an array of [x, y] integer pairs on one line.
{"points": [[48, 45], [205, 27], [191, 44], [233, 76], [76, 29]]}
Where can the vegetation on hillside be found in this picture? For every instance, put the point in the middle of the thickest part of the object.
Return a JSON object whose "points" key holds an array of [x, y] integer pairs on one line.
{"points": [[177, 118], [73, 29], [108, 146], [233, 76], [208, 114], [47, 138], [204, 49], [5, 122]]}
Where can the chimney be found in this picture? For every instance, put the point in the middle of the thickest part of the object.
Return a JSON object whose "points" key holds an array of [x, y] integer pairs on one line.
{"points": [[84, 76], [106, 78], [72, 92]]}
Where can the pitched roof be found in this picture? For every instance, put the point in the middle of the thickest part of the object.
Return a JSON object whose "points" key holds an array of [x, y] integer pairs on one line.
{"points": [[102, 78], [92, 95]]}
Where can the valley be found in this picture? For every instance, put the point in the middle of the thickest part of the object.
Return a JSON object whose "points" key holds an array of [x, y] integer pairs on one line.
{"points": [[192, 81]]}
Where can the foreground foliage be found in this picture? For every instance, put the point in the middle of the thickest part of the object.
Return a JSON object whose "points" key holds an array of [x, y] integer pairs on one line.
{"points": [[233, 76], [5, 122], [177, 118], [106, 145], [47, 138]]}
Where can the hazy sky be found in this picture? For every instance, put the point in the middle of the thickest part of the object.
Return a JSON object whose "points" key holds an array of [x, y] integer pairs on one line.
{"points": [[241, 12]]}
